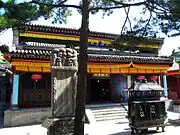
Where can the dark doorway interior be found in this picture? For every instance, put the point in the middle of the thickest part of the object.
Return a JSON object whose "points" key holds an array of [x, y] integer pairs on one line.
{"points": [[100, 90], [34, 93]]}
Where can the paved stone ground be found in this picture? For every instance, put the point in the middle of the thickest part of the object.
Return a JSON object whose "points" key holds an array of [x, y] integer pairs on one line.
{"points": [[123, 129], [96, 129]]}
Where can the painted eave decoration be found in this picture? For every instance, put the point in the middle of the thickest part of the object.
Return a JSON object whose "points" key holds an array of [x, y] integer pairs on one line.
{"points": [[67, 34], [93, 67], [31, 65], [126, 68]]}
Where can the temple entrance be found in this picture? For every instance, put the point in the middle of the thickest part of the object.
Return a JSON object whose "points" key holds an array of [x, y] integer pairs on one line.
{"points": [[100, 90]]}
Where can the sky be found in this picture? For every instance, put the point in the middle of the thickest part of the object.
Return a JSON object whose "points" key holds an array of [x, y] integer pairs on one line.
{"points": [[108, 24]]}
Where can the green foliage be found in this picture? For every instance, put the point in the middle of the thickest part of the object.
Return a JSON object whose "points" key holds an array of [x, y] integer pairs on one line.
{"points": [[102, 4], [17, 14], [165, 18]]}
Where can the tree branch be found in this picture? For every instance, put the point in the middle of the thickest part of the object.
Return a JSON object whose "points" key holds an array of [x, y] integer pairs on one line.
{"points": [[48, 4], [163, 8], [127, 13], [157, 8], [70, 6], [147, 23], [125, 20], [127, 4], [121, 5], [105, 8], [61, 4]]}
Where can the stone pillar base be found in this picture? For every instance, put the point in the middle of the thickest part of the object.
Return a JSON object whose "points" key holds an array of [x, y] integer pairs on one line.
{"points": [[14, 107], [59, 126]]}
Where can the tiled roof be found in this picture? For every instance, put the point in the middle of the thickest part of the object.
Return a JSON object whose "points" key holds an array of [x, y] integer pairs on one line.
{"points": [[128, 58], [69, 31], [44, 45], [51, 45], [31, 54], [104, 56]]}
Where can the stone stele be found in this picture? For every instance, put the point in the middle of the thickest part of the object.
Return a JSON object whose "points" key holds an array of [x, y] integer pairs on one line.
{"points": [[64, 69]]}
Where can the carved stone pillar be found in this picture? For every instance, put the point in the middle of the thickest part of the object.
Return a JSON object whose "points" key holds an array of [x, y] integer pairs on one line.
{"points": [[64, 81], [63, 91]]}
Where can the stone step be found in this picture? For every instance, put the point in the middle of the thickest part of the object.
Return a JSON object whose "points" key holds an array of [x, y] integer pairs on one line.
{"points": [[107, 113], [116, 121], [108, 108], [103, 105], [110, 116], [118, 118], [113, 121], [110, 113]]}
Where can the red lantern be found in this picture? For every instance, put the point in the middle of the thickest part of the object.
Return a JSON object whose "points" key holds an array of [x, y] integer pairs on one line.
{"points": [[153, 78], [36, 77], [141, 77]]}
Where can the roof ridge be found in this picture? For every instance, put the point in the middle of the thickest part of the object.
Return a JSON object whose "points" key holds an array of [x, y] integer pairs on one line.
{"points": [[112, 35]]}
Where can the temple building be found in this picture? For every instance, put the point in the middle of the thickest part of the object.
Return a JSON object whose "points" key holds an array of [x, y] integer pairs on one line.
{"points": [[173, 77], [112, 68]]}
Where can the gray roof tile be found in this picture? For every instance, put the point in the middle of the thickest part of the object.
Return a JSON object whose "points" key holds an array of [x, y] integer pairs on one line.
{"points": [[94, 56]]}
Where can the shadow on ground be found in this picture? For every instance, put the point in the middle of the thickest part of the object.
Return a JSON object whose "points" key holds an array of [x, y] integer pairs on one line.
{"points": [[150, 132], [122, 133], [1, 123], [122, 122]]}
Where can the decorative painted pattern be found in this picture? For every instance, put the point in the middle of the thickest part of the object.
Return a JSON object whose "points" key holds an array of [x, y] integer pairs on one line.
{"points": [[62, 37], [31, 66], [77, 38], [93, 68]]}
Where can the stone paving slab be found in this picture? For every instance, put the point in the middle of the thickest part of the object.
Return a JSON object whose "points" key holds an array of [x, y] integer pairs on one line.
{"points": [[123, 129], [24, 130], [173, 117], [96, 129]]}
